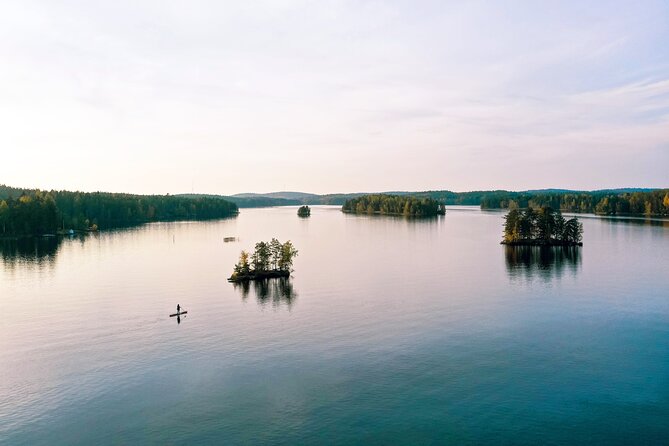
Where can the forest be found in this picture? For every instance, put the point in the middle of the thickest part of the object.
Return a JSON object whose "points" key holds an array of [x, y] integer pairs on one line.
{"points": [[268, 260], [38, 212], [647, 203], [641, 202], [31, 211], [247, 202], [404, 205], [630, 201], [545, 226]]}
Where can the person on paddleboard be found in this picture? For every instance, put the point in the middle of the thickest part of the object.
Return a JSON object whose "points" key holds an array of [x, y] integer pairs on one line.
{"points": [[178, 308]]}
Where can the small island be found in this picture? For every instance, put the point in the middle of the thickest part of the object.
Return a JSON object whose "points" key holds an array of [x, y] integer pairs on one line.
{"points": [[304, 211], [269, 260], [543, 227], [402, 205]]}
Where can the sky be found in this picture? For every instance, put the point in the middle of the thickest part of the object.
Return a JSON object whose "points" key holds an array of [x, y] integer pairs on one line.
{"points": [[333, 96]]}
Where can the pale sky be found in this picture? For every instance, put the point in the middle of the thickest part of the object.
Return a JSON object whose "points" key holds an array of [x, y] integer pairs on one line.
{"points": [[333, 96]]}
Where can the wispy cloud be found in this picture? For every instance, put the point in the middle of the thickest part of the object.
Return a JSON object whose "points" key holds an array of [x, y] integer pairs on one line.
{"points": [[334, 95]]}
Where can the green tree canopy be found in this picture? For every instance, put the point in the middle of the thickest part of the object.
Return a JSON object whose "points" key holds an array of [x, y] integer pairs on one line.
{"points": [[547, 226], [394, 205]]}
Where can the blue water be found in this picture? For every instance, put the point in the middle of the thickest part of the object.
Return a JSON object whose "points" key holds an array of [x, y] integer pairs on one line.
{"points": [[391, 331]]}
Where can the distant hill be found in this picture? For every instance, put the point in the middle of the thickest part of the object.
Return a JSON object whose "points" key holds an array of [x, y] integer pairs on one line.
{"points": [[622, 190], [283, 195], [248, 200]]}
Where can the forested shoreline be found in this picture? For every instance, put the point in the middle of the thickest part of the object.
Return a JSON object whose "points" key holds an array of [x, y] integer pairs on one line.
{"points": [[632, 202], [40, 212], [404, 205], [650, 203], [31, 211]]}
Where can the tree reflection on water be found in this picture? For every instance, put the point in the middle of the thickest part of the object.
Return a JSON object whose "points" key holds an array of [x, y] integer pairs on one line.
{"points": [[31, 250], [545, 262], [277, 291]]}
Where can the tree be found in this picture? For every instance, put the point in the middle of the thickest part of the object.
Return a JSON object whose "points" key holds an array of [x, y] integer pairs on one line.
{"points": [[261, 257], [527, 224], [545, 223], [275, 252], [558, 227], [648, 208], [288, 252], [242, 267], [4, 215], [573, 231], [512, 226]]}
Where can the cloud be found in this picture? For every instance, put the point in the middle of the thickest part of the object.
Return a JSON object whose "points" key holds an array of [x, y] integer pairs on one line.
{"points": [[333, 96]]}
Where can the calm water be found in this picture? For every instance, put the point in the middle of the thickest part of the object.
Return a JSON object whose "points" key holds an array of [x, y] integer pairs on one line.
{"points": [[391, 331]]}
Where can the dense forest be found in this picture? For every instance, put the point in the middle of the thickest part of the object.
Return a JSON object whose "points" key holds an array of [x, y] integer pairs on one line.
{"points": [[247, 201], [394, 205], [648, 203], [543, 227], [30, 211], [269, 259], [642, 202], [39, 212]]}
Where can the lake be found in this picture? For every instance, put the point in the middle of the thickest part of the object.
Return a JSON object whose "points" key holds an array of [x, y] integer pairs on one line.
{"points": [[391, 331]]}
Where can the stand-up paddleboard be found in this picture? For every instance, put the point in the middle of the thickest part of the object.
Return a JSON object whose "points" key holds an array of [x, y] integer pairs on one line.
{"points": [[178, 314]]}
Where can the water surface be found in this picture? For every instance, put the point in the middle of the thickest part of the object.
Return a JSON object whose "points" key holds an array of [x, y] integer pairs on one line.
{"points": [[391, 331]]}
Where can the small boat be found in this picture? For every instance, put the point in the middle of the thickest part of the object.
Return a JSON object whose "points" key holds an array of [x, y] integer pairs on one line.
{"points": [[178, 314], [229, 239]]}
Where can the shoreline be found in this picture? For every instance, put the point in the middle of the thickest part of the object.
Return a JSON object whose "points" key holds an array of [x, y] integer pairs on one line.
{"points": [[547, 243], [259, 276]]}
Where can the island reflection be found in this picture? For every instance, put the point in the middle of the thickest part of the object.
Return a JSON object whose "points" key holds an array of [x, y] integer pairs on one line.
{"points": [[277, 292], [544, 262], [32, 250]]}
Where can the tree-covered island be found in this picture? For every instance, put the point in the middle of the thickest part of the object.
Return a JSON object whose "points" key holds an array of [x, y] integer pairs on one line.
{"points": [[269, 260], [403, 205], [304, 211], [543, 227]]}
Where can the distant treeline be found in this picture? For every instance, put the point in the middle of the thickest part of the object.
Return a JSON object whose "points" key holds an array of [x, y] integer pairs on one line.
{"points": [[41, 212], [248, 202], [630, 201], [394, 205], [605, 202], [650, 203]]}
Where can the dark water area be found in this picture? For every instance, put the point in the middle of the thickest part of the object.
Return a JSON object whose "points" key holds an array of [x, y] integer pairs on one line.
{"points": [[390, 331], [29, 249]]}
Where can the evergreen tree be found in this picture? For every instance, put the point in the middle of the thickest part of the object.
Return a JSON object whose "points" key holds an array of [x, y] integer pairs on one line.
{"points": [[261, 257], [275, 248]]}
